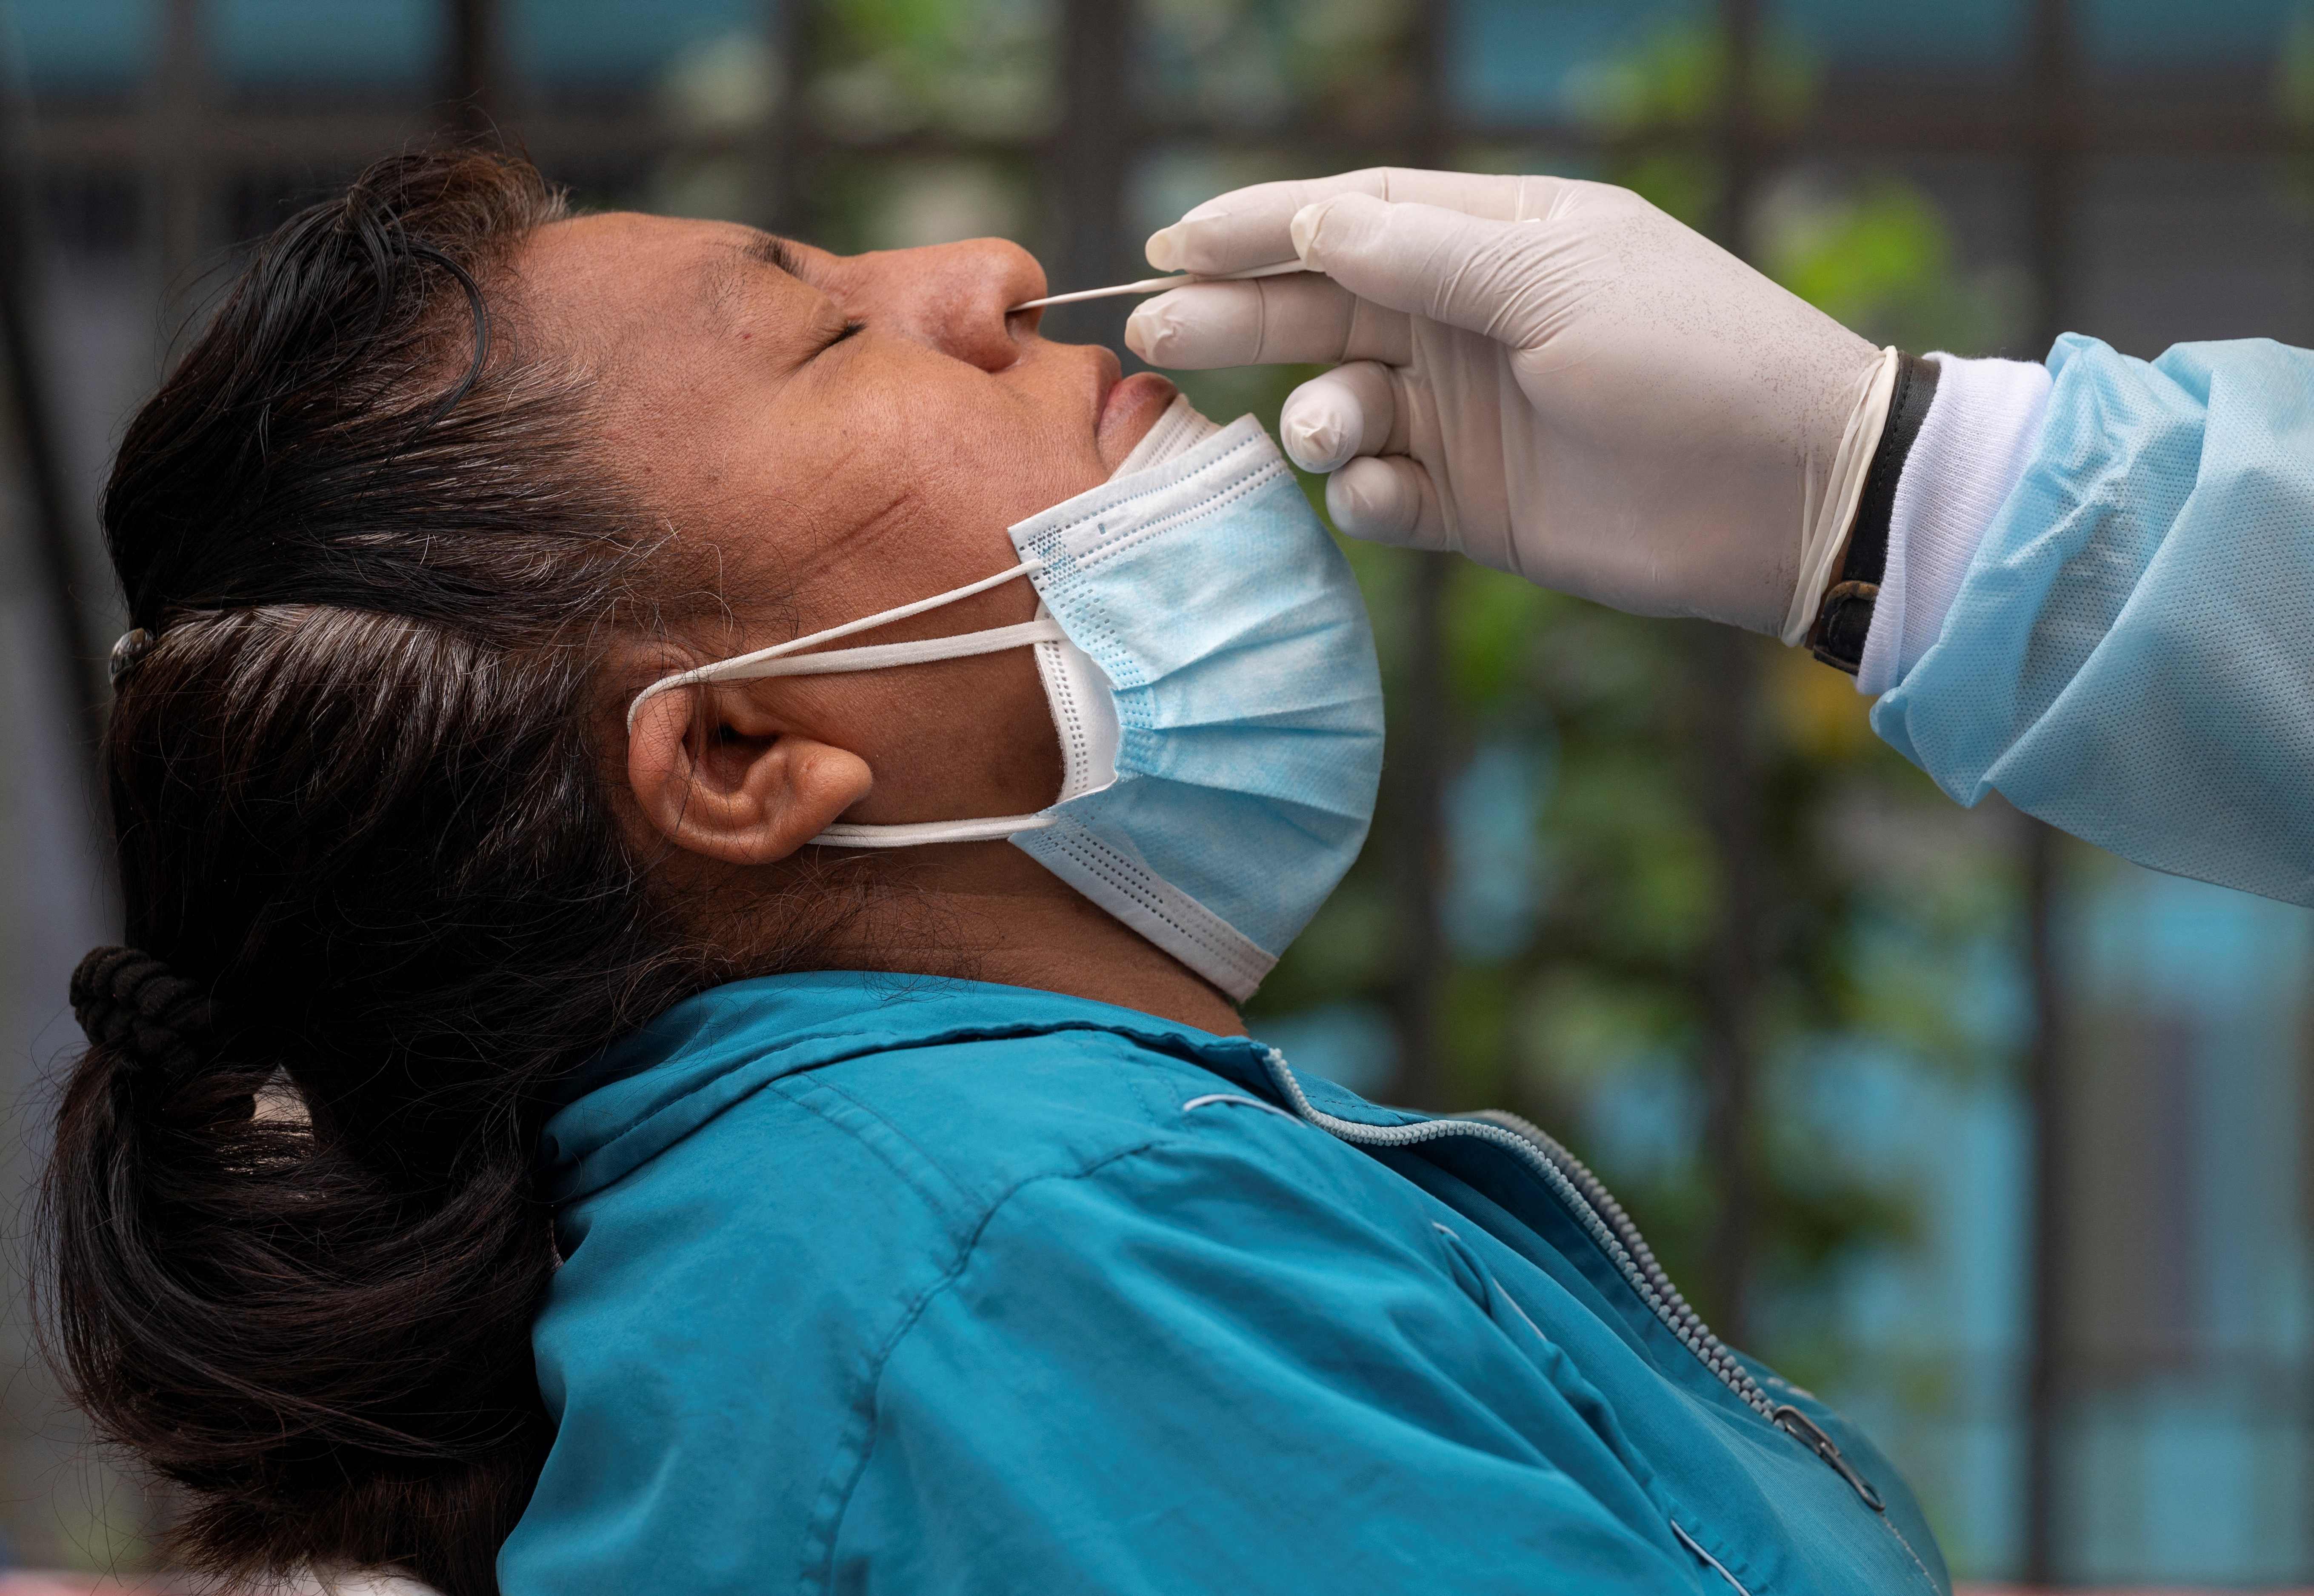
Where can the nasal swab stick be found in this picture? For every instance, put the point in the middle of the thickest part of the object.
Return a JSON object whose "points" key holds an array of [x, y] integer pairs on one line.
{"points": [[1159, 284]]}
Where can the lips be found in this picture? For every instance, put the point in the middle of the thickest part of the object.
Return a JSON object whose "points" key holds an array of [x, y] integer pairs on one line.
{"points": [[1129, 409]]}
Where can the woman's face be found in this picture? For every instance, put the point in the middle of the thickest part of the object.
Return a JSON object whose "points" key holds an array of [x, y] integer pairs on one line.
{"points": [[843, 435]]}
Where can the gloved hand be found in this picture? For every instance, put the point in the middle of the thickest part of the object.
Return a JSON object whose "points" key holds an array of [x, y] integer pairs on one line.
{"points": [[1552, 376]]}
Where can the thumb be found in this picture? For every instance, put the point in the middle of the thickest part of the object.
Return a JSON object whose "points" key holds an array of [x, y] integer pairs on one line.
{"points": [[1470, 272]]}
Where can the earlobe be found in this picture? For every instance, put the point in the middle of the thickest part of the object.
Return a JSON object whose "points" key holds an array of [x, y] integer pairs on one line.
{"points": [[745, 792]]}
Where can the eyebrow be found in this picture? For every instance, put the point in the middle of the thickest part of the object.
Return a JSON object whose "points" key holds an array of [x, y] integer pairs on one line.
{"points": [[771, 250], [727, 283]]}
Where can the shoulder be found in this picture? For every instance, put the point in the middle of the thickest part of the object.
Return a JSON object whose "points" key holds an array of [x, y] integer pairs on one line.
{"points": [[840, 1196], [826, 1208], [715, 1341]]}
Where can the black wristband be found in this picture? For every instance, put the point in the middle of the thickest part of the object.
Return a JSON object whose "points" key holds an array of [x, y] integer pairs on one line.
{"points": [[1844, 618]]}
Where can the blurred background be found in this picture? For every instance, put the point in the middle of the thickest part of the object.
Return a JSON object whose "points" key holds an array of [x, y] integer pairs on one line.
{"points": [[1999, 1144]]}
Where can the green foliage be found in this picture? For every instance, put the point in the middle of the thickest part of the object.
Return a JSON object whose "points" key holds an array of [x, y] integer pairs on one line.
{"points": [[2293, 70], [2293, 101], [1676, 82], [1260, 63], [1677, 79], [982, 68], [1880, 260]]}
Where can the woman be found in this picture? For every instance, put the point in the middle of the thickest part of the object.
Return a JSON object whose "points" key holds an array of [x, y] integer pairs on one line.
{"points": [[604, 1094]]}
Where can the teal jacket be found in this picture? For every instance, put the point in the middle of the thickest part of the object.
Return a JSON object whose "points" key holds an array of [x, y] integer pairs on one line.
{"points": [[896, 1284]]}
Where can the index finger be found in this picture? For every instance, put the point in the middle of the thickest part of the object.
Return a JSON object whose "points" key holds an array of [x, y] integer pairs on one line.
{"points": [[1268, 321], [1253, 225]]}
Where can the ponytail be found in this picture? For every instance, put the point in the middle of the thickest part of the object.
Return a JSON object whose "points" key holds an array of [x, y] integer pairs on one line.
{"points": [[336, 1371]]}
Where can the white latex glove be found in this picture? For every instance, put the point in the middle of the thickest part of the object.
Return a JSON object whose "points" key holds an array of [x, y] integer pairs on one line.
{"points": [[1552, 376]]}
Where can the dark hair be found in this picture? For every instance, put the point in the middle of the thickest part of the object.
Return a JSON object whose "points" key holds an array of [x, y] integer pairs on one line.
{"points": [[293, 1229]]}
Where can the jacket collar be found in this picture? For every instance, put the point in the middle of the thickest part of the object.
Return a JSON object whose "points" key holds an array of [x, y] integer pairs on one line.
{"points": [[651, 1088]]}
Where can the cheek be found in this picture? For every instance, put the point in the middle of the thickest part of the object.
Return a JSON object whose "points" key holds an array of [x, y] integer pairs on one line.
{"points": [[702, 457], [988, 745], [991, 450], [955, 740], [1020, 767]]}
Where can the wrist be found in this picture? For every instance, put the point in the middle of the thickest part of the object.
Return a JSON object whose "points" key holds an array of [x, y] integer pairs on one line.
{"points": [[1973, 448], [1845, 606], [1831, 490]]}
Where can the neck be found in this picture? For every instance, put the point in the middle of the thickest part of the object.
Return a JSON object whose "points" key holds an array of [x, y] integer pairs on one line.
{"points": [[987, 911]]}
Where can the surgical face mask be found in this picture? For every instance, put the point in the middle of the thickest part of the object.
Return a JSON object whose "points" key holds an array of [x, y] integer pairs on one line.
{"points": [[1210, 673]]}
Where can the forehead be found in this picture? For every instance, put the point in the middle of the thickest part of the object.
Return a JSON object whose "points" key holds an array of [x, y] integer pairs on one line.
{"points": [[620, 274], [585, 250]]}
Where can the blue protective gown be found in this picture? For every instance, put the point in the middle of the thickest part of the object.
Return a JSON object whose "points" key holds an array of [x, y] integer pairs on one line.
{"points": [[884, 1283], [2131, 657]]}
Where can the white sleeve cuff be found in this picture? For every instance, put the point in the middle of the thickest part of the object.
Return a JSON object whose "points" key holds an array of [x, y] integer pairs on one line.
{"points": [[1973, 447]]}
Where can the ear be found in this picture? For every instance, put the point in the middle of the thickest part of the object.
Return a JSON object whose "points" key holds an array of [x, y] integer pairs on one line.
{"points": [[719, 775]]}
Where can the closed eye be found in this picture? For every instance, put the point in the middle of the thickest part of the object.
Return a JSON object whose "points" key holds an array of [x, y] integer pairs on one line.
{"points": [[849, 329]]}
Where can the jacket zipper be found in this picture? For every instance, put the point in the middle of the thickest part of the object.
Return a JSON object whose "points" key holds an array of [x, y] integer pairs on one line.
{"points": [[1595, 1208]]}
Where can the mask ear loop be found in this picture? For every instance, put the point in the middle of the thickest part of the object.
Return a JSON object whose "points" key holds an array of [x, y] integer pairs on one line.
{"points": [[749, 667], [786, 659]]}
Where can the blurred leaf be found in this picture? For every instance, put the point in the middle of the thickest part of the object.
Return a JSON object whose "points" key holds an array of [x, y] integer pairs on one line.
{"points": [[1498, 619], [2293, 70], [977, 67], [1263, 63], [1818, 712], [1880, 260], [1678, 79]]}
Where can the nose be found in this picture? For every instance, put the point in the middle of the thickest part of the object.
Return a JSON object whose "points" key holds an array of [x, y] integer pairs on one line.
{"points": [[951, 296]]}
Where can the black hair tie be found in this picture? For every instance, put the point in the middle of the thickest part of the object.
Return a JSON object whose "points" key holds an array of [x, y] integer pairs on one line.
{"points": [[128, 1001]]}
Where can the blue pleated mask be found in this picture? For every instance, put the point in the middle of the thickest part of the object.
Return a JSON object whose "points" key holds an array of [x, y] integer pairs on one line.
{"points": [[1212, 676]]}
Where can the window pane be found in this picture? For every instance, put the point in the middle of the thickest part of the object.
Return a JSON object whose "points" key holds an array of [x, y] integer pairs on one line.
{"points": [[289, 42], [1517, 61], [2162, 33], [1882, 34], [80, 47], [611, 43]]}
